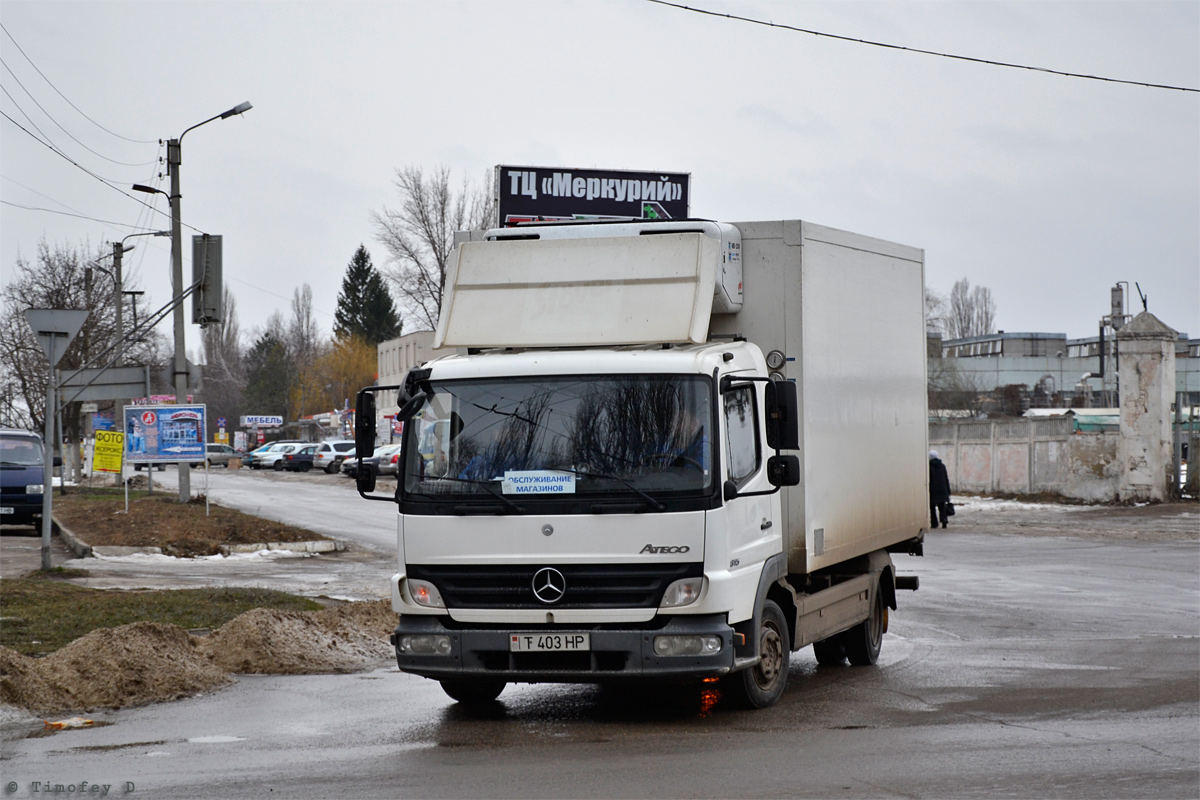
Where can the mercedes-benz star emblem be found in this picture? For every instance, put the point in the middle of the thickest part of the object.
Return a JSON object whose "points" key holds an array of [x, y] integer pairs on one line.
{"points": [[549, 585]]}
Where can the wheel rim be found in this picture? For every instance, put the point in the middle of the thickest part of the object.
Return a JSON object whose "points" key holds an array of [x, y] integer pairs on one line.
{"points": [[770, 648]]}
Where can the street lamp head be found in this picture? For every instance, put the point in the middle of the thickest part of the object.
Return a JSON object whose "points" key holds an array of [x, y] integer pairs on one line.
{"points": [[240, 108], [139, 187]]}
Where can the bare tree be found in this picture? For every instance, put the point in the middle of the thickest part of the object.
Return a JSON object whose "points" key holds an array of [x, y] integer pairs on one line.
{"points": [[59, 278], [935, 312], [972, 311], [420, 235], [224, 365]]}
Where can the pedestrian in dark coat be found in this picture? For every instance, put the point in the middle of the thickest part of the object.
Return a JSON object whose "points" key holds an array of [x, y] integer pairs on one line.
{"points": [[939, 490]]}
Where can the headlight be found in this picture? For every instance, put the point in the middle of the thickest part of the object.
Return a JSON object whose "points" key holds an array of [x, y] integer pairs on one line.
{"points": [[35, 488], [687, 645], [424, 645], [683, 592], [425, 594]]}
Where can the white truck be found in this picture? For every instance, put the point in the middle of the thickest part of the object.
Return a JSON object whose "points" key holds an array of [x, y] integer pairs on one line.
{"points": [[664, 450]]}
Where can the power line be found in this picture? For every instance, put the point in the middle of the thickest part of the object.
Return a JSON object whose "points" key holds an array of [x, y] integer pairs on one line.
{"points": [[59, 124], [918, 50], [71, 214], [64, 97], [111, 184]]}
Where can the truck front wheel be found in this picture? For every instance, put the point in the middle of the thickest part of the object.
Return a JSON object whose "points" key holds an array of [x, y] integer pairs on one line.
{"points": [[474, 690], [762, 685], [864, 640]]}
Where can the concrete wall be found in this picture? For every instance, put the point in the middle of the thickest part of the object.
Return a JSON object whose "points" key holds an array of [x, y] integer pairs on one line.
{"points": [[1027, 456]]}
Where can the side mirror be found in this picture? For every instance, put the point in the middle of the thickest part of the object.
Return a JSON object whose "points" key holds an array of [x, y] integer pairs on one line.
{"points": [[729, 491], [364, 424], [783, 470], [56, 461], [364, 479], [783, 416]]}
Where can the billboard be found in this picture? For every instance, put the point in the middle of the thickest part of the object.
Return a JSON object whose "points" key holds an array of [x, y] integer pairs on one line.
{"points": [[164, 434], [525, 194]]}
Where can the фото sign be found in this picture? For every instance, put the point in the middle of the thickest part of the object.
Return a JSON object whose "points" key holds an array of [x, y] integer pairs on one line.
{"points": [[162, 434], [106, 454], [525, 194]]}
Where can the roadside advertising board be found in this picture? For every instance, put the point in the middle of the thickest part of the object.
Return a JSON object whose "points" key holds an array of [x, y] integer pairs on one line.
{"points": [[164, 434], [525, 194], [106, 455]]}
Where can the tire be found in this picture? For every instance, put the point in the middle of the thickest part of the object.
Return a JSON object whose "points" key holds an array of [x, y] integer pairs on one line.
{"points": [[474, 690], [305, 466], [762, 685], [864, 641], [829, 652], [331, 468], [279, 466]]}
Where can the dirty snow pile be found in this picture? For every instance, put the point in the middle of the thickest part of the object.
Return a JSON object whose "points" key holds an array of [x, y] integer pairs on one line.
{"points": [[147, 662]]}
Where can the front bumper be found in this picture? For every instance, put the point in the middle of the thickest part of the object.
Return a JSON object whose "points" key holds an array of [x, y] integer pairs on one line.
{"points": [[615, 654]]}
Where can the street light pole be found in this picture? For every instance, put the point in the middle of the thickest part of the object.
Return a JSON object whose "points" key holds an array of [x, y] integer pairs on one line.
{"points": [[179, 371]]}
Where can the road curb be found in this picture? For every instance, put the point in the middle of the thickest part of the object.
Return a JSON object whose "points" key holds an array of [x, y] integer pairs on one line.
{"points": [[84, 550]]}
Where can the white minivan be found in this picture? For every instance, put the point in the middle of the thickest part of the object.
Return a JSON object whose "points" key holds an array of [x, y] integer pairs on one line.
{"points": [[330, 454]]}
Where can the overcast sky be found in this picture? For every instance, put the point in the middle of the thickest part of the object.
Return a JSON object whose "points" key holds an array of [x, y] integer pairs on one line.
{"points": [[1045, 189]]}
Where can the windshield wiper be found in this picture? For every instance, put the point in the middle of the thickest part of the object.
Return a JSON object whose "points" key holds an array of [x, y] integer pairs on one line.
{"points": [[491, 490], [656, 505]]}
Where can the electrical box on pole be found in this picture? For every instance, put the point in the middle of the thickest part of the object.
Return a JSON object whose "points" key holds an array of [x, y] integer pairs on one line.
{"points": [[206, 273]]}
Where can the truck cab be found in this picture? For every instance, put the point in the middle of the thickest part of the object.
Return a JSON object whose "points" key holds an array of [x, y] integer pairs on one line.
{"points": [[594, 488]]}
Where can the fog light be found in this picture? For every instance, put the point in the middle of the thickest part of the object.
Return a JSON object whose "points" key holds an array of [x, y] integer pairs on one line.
{"points": [[682, 593], [687, 645], [425, 594], [424, 645]]}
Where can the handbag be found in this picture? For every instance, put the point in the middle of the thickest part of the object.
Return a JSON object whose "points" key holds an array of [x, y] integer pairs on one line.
{"points": [[949, 509]]}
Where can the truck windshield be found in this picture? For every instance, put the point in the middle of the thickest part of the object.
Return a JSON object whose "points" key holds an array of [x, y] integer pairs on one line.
{"points": [[630, 436]]}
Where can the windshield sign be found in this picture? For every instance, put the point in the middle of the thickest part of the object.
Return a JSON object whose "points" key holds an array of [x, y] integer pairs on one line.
{"points": [[562, 436]]}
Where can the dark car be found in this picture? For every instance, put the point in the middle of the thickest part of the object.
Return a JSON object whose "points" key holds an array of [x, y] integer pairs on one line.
{"points": [[22, 482], [298, 460]]}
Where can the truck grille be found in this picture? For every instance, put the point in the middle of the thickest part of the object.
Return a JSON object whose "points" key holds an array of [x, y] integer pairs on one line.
{"points": [[587, 585]]}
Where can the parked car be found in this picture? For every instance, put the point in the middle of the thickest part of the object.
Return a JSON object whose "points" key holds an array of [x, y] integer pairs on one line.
{"points": [[299, 459], [267, 459], [21, 477], [218, 455], [330, 455], [389, 462], [350, 464]]}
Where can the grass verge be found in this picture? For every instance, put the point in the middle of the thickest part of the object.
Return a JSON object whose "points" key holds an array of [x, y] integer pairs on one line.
{"points": [[98, 517], [40, 613]]}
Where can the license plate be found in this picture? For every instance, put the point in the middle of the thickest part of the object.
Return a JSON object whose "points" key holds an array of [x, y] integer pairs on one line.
{"points": [[548, 642], [8, 510]]}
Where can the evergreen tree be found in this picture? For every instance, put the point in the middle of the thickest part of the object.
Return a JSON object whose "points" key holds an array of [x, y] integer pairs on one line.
{"points": [[365, 308], [267, 372]]}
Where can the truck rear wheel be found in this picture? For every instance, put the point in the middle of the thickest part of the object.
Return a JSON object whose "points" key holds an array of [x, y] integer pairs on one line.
{"points": [[762, 685], [474, 690], [864, 640], [829, 652]]}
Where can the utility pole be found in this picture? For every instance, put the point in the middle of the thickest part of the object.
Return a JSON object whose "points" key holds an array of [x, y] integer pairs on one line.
{"points": [[179, 369], [179, 372], [118, 301]]}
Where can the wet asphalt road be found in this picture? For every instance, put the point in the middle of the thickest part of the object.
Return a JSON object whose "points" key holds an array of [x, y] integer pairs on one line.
{"points": [[1029, 664]]}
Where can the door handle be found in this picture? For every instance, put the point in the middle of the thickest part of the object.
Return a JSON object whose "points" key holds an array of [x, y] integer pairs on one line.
{"points": [[766, 523]]}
